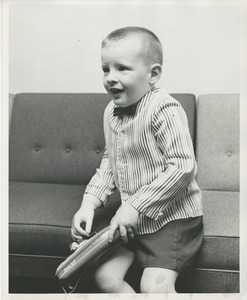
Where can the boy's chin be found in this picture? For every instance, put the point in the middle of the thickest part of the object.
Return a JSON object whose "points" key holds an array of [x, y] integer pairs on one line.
{"points": [[120, 102]]}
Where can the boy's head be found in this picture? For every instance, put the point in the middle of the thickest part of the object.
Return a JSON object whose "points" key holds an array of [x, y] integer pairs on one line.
{"points": [[152, 48], [131, 62]]}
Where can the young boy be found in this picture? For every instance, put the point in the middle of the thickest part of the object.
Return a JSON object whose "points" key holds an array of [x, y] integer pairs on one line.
{"points": [[149, 158]]}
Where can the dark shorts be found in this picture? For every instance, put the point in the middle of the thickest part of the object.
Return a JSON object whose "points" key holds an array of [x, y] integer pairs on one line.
{"points": [[175, 246]]}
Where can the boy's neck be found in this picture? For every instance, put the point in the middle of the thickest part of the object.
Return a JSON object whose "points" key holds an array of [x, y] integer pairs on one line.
{"points": [[135, 103]]}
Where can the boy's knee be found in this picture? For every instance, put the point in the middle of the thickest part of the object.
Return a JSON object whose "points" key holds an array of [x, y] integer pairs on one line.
{"points": [[109, 277], [152, 287], [102, 280], [105, 281], [153, 282]]}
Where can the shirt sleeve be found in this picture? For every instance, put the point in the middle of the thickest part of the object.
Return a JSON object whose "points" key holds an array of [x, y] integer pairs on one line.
{"points": [[170, 127], [102, 183]]}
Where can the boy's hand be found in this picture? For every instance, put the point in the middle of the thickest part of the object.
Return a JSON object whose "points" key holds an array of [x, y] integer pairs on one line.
{"points": [[125, 220], [85, 216]]}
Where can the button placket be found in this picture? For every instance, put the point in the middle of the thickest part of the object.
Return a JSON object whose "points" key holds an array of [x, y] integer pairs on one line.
{"points": [[119, 159]]}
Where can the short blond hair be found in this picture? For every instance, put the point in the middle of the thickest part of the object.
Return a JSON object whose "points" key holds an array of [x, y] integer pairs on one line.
{"points": [[152, 45]]}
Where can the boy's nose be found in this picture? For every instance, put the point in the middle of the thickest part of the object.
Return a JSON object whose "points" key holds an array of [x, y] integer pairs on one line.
{"points": [[112, 78], [111, 82]]}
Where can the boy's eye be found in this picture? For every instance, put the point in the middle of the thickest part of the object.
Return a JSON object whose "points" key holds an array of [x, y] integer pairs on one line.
{"points": [[122, 68], [105, 70]]}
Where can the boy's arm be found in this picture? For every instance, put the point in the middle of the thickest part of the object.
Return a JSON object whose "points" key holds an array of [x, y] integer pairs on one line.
{"points": [[173, 138], [98, 190], [102, 183]]}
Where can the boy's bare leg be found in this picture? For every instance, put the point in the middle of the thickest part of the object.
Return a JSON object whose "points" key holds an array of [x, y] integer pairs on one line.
{"points": [[158, 280], [110, 275]]}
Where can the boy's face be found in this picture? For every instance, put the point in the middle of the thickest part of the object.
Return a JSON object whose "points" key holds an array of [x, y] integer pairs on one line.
{"points": [[126, 72]]}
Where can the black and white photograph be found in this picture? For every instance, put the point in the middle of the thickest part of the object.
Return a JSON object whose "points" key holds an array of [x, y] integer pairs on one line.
{"points": [[123, 149]]}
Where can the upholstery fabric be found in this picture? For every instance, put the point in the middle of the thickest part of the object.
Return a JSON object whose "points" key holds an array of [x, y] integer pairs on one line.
{"points": [[11, 102], [41, 214], [188, 102], [217, 152], [221, 213], [56, 138], [56, 143], [221, 253], [34, 266], [208, 281], [48, 233], [218, 142]]}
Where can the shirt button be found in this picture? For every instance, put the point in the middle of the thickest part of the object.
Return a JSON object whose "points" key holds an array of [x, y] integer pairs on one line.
{"points": [[37, 148], [67, 149], [97, 151], [124, 196], [229, 153]]}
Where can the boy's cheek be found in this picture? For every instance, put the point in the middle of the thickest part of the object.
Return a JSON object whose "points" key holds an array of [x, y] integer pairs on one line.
{"points": [[106, 88]]}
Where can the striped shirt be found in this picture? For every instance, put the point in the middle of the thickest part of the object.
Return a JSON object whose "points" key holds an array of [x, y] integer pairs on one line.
{"points": [[149, 158]]}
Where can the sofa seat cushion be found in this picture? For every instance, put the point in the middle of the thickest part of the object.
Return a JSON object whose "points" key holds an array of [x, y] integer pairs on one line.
{"points": [[221, 231], [209, 281], [221, 213], [41, 214], [40, 217]]}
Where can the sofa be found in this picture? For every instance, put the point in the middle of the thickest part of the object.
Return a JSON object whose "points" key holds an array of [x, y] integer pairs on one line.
{"points": [[55, 144]]}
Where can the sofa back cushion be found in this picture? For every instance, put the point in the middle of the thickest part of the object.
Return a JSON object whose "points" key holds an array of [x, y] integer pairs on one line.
{"points": [[58, 138], [217, 146], [188, 102], [11, 101]]}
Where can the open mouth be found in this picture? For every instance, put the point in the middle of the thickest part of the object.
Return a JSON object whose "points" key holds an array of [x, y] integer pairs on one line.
{"points": [[115, 91]]}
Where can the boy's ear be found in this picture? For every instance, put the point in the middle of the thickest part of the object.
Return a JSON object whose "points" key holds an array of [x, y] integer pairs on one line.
{"points": [[155, 73]]}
